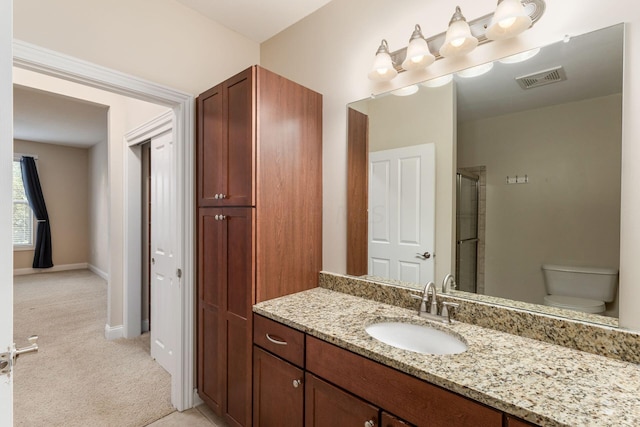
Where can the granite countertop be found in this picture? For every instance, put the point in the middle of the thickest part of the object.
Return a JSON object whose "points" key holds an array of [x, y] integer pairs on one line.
{"points": [[543, 383]]}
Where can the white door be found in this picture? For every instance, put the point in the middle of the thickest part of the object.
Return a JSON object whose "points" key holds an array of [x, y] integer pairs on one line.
{"points": [[402, 213], [6, 248], [164, 281]]}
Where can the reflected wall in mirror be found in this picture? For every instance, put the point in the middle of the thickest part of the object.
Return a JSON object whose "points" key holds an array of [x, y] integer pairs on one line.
{"points": [[537, 146]]}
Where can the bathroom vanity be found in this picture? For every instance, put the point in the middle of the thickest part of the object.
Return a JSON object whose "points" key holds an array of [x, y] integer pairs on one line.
{"points": [[501, 379]]}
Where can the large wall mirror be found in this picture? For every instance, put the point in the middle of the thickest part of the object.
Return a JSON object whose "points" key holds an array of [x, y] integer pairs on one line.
{"points": [[535, 142]]}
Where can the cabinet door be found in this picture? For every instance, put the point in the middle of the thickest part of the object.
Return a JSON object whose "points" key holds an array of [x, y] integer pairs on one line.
{"points": [[226, 143], [278, 391], [514, 422], [328, 406], [210, 342], [225, 292], [388, 420]]}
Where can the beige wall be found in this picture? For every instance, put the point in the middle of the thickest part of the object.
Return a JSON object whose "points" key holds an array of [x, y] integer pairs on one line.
{"points": [[425, 117], [158, 40], [569, 212], [332, 50], [125, 114], [98, 181], [63, 178]]}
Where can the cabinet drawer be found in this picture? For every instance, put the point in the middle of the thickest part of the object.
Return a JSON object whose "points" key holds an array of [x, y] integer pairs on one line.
{"points": [[279, 339], [410, 398]]}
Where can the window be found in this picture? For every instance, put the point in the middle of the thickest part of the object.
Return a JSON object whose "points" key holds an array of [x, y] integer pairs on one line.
{"points": [[22, 214]]}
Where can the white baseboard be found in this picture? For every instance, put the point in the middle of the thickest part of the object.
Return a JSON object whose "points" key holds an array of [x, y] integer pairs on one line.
{"points": [[196, 399], [145, 325], [113, 332], [99, 272], [55, 268]]}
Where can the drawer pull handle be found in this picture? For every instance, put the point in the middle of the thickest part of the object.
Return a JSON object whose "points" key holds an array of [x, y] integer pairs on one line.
{"points": [[276, 340], [297, 383], [370, 423]]}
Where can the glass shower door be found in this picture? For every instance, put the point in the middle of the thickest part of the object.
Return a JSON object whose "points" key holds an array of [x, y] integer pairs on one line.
{"points": [[467, 231]]}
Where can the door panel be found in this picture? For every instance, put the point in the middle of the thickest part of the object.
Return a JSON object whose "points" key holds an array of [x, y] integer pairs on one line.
{"points": [[164, 283], [329, 406], [402, 213], [210, 145], [277, 400]]}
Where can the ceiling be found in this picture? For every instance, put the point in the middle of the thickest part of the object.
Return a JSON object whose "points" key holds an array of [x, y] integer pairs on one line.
{"points": [[593, 63], [41, 116], [257, 20]]}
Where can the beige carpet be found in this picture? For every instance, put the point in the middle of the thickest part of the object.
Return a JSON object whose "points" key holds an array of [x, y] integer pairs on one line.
{"points": [[78, 378]]}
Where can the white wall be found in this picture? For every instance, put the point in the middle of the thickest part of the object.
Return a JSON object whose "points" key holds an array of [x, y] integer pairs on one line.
{"points": [[158, 40], [331, 51], [569, 212], [124, 115]]}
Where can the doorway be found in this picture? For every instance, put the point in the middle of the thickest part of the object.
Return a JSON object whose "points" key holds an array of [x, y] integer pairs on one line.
{"points": [[467, 190], [48, 62]]}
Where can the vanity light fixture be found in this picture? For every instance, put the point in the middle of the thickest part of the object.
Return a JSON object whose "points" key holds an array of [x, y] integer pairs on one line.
{"points": [[438, 81], [406, 91], [418, 53], [459, 40], [520, 57], [511, 18], [383, 68]]}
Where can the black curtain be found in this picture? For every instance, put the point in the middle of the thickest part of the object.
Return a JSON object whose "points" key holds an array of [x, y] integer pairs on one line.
{"points": [[43, 255]]}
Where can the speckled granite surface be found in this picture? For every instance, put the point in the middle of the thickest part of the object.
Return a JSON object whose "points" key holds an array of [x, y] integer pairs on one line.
{"points": [[540, 382], [579, 333]]}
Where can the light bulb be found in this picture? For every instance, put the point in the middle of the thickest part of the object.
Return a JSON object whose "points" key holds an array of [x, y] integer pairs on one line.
{"points": [[506, 23], [418, 53], [509, 20], [382, 69], [458, 40]]}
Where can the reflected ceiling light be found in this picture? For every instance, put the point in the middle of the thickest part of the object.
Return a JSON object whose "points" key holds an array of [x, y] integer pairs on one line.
{"points": [[406, 91], [509, 20], [438, 81], [459, 40], [383, 69], [418, 53], [520, 57], [476, 71]]}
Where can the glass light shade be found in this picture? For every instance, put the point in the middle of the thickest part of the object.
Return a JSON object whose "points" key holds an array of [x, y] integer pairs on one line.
{"points": [[509, 20], [406, 91], [476, 71], [382, 69], [418, 53], [520, 57], [459, 40], [438, 81]]}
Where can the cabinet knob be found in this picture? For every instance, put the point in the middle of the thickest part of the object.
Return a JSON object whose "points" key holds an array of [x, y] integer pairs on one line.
{"points": [[216, 196], [297, 383], [220, 217], [370, 423]]}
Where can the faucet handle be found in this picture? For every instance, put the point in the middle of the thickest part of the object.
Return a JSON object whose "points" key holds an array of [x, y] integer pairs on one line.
{"points": [[449, 309]]}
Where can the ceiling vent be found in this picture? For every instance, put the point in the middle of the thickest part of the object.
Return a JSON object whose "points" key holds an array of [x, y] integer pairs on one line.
{"points": [[541, 78]]}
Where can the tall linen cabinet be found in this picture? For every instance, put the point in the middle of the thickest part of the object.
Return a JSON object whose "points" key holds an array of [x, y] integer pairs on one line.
{"points": [[259, 195]]}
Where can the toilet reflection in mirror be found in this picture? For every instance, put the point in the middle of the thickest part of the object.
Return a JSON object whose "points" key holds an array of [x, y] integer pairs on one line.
{"points": [[542, 137]]}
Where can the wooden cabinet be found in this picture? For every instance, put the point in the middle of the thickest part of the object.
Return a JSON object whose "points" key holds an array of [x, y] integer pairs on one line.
{"points": [[328, 406], [388, 420], [278, 391], [259, 195], [408, 397], [514, 422]]}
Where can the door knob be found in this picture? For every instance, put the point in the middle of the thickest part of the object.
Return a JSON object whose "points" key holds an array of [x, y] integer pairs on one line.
{"points": [[425, 255], [153, 261]]}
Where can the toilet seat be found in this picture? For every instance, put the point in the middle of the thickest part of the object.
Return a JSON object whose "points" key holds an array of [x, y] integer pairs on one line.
{"points": [[574, 303]]}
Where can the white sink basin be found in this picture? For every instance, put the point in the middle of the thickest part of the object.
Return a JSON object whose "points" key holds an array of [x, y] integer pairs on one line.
{"points": [[418, 338]]}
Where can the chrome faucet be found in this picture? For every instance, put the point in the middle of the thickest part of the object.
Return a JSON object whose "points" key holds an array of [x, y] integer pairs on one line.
{"points": [[448, 278], [429, 305]]}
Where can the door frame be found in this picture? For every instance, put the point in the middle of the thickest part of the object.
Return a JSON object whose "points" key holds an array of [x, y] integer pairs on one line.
{"points": [[48, 62]]}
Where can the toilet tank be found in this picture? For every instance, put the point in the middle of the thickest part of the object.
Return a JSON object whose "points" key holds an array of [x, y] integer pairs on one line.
{"points": [[584, 282]]}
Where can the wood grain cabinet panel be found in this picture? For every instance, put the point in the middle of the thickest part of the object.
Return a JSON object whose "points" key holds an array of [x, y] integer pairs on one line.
{"points": [[515, 422], [278, 391], [328, 406], [410, 398], [259, 195], [388, 420]]}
